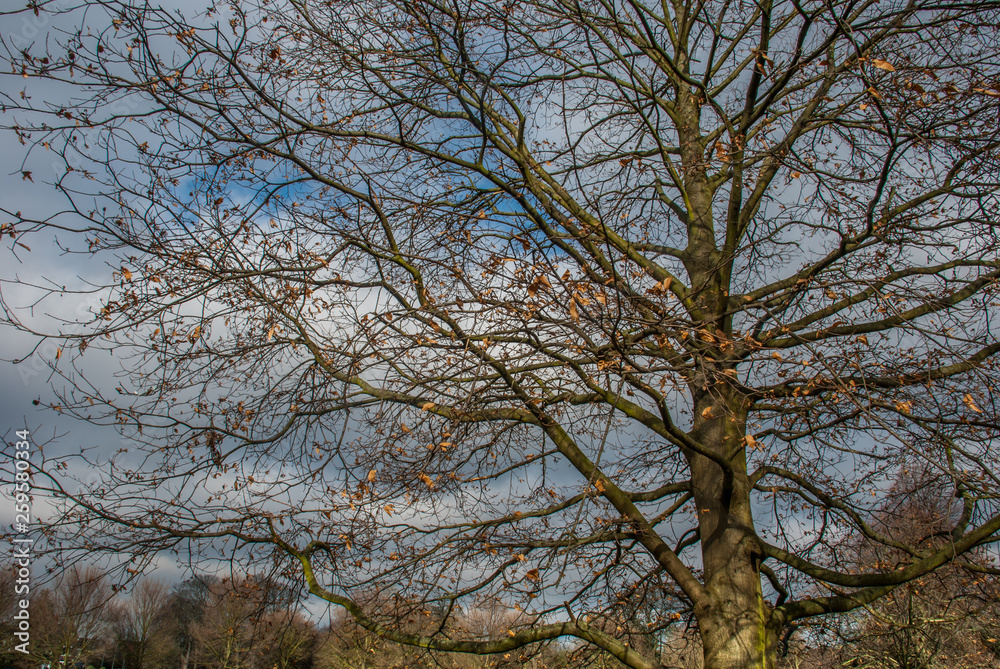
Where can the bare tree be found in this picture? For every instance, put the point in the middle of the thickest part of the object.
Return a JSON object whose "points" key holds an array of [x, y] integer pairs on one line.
{"points": [[189, 600], [70, 622], [344, 644], [143, 627], [347, 645], [946, 619], [247, 623], [534, 302], [288, 640], [11, 594]]}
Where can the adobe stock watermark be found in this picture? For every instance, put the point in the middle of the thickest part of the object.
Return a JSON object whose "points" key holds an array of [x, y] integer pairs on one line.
{"points": [[33, 24], [21, 541]]}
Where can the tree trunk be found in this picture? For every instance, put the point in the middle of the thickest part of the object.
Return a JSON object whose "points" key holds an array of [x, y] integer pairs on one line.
{"points": [[733, 619], [735, 629], [736, 624]]}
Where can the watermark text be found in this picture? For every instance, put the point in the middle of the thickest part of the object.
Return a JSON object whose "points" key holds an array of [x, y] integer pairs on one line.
{"points": [[22, 541]]}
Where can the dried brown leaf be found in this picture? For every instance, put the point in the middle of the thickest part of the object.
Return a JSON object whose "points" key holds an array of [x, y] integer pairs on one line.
{"points": [[971, 403]]}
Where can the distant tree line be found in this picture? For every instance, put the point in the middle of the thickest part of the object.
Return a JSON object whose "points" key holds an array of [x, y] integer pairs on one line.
{"points": [[949, 619], [205, 622]]}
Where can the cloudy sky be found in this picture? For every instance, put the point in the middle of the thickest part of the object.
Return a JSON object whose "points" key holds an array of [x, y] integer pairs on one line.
{"points": [[26, 361]]}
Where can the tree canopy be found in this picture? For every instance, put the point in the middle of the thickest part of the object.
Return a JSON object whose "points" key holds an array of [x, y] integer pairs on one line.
{"points": [[585, 307]]}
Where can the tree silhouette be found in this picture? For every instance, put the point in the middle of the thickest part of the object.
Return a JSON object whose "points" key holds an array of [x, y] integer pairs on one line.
{"points": [[539, 303], [947, 618]]}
